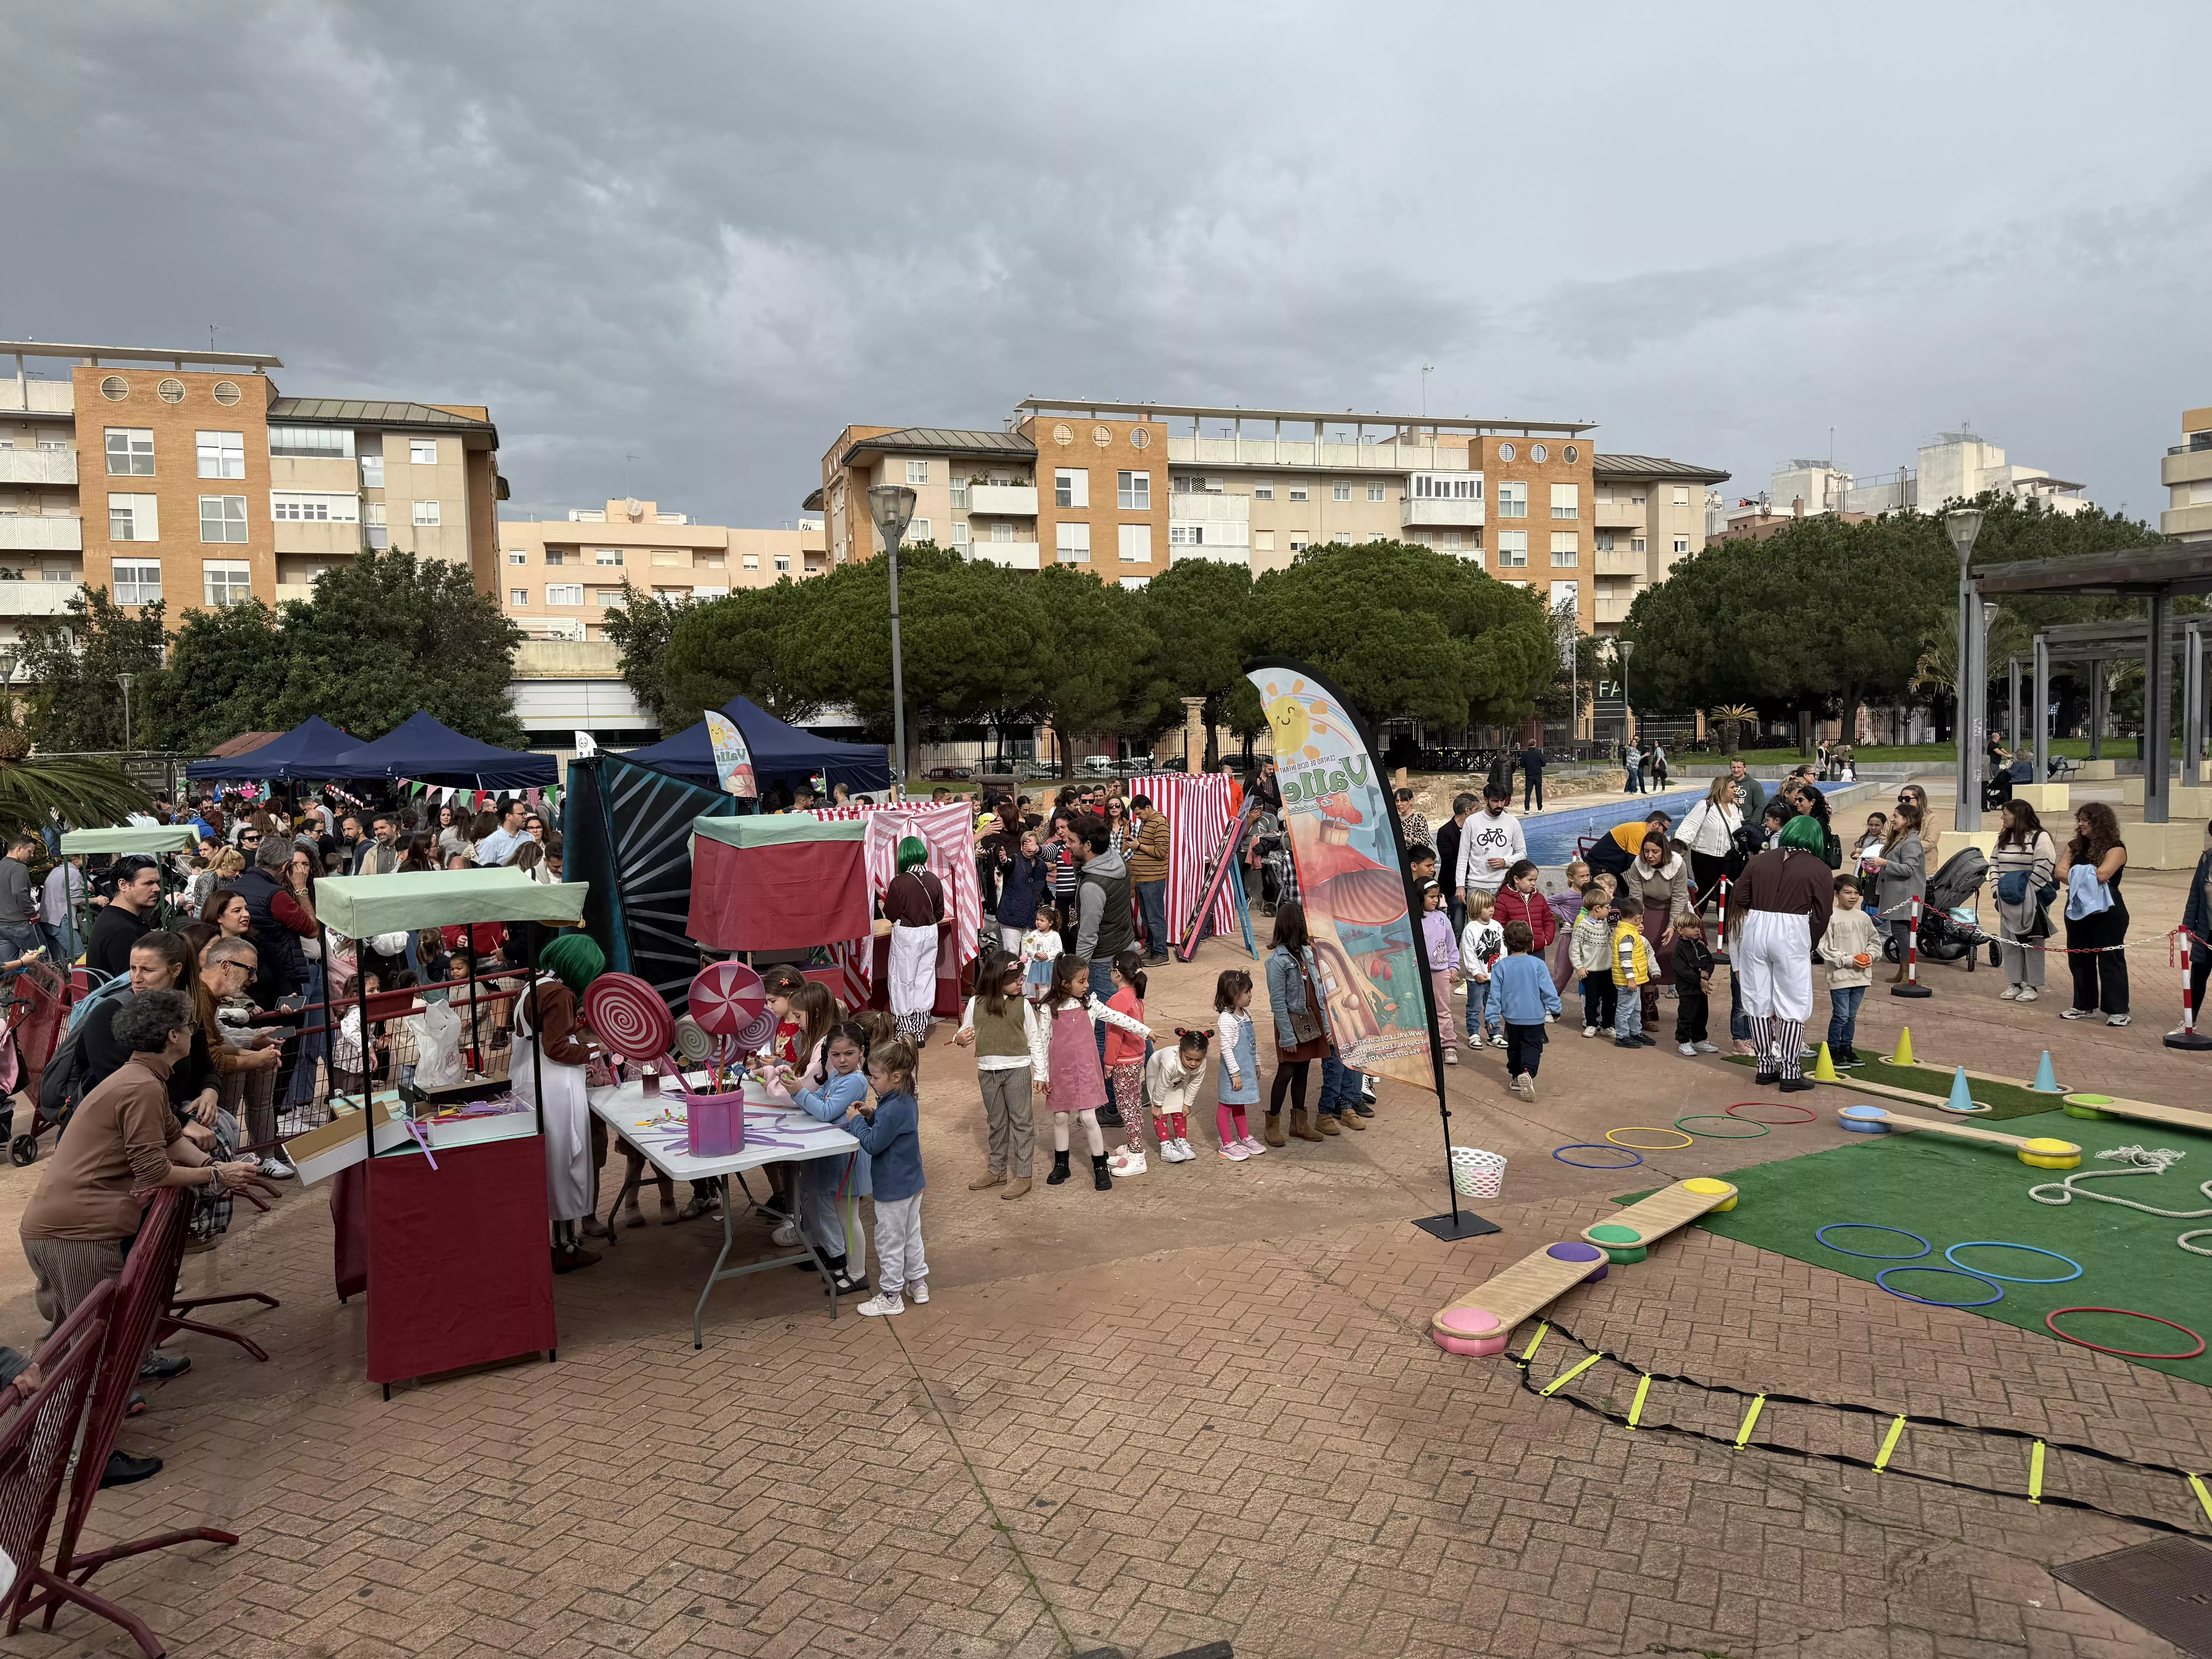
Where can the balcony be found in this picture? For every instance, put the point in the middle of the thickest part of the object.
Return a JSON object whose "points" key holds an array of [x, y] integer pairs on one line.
{"points": [[1010, 501], [2180, 467], [37, 397], [1009, 555], [1613, 607], [1315, 458], [1225, 553], [1618, 561], [50, 532], [1429, 510], [287, 592], [321, 538], [1196, 507], [2174, 522], [38, 467], [38, 598], [330, 474], [1620, 513]]}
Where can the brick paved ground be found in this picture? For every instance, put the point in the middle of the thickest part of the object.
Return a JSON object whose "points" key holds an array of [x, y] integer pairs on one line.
{"points": [[1201, 1406]]}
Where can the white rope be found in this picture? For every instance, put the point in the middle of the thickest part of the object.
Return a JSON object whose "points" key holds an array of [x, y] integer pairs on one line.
{"points": [[2151, 1163]]}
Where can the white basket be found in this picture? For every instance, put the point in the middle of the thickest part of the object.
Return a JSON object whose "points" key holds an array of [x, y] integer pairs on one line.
{"points": [[1477, 1174]]}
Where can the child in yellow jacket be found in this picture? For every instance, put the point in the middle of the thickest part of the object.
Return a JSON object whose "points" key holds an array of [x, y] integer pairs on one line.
{"points": [[1632, 967]]}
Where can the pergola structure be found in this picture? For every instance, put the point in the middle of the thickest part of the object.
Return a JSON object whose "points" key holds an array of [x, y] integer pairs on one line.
{"points": [[2158, 575]]}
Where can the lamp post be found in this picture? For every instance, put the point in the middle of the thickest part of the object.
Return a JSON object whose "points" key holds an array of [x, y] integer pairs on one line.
{"points": [[1621, 648], [891, 506], [123, 679], [1963, 525]]}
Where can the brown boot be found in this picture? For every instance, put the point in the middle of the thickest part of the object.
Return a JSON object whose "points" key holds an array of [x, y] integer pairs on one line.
{"points": [[989, 1179], [1300, 1129], [1273, 1133], [1017, 1188], [1346, 1119], [1327, 1123]]}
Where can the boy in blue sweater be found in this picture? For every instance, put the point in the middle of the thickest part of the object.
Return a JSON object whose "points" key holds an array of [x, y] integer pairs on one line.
{"points": [[1520, 988], [889, 1133]]}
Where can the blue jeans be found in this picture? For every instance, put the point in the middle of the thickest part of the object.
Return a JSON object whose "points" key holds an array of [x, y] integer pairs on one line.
{"points": [[1102, 986], [1480, 1021], [1340, 1086], [1152, 906], [1628, 1018], [1843, 1016], [21, 939]]}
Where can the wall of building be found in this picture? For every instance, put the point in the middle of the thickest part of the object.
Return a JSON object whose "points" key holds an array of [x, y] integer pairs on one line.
{"points": [[696, 561], [1102, 450]]}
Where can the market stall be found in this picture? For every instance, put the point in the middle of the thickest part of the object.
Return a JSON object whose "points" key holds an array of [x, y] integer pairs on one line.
{"points": [[428, 750], [309, 750]]}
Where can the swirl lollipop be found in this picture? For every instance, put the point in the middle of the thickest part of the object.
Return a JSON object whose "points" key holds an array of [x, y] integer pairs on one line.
{"points": [[727, 998], [693, 1046], [757, 1035], [630, 1016]]}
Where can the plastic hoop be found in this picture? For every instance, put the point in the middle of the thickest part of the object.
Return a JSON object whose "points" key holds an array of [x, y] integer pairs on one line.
{"points": [[1649, 1129], [1811, 1116], [2012, 1278], [1882, 1279], [1821, 1234], [1596, 1147], [1717, 1117], [2125, 1354]]}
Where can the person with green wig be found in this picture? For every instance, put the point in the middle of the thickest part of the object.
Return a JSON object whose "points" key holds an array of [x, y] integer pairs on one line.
{"points": [[914, 906], [1778, 910], [547, 1016]]}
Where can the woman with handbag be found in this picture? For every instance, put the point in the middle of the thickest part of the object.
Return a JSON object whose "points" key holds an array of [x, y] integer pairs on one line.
{"points": [[1708, 835], [2096, 915], [2022, 866], [1294, 994]]}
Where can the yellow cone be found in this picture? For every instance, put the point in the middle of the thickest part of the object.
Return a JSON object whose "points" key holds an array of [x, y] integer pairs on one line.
{"points": [[1904, 1054], [1824, 1070]]}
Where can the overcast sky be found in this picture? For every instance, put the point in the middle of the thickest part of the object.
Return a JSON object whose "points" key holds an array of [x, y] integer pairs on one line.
{"points": [[708, 237]]}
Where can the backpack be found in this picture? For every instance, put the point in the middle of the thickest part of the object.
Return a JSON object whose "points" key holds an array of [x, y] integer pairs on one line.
{"points": [[62, 1085]]}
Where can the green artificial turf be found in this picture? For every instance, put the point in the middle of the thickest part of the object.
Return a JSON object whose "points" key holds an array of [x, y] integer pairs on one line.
{"points": [[1948, 1192], [2004, 1100]]}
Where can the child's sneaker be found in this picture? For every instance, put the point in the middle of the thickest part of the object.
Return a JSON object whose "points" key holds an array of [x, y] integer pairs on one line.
{"points": [[917, 1289], [1498, 1041], [1183, 1152], [1688, 1050], [1234, 1152], [1708, 1048], [786, 1234], [1254, 1146], [1451, 1056], [1590, 1030], [882, 1303], [1525, 1086]]}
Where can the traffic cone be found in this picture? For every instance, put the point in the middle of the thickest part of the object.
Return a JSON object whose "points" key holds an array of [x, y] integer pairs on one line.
{"points": [[1904, 1054], [1962, 1097], [1824, 1069], [2046, 1081]]}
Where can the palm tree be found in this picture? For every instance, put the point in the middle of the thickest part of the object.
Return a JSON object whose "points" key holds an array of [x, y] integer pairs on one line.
{"points": [[84, 792], [1733, 717]]}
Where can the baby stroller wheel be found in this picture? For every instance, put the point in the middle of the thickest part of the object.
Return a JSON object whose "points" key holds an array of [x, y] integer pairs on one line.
{"points": [[23, 1150], [1889, 948]]}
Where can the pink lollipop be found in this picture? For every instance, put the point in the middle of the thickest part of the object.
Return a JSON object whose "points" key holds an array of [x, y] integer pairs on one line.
{"points": [[726, 997], [758, 1034], [630, 1016]]}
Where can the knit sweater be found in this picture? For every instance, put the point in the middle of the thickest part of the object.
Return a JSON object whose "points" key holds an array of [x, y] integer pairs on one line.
{"points": [[1851, 933]]}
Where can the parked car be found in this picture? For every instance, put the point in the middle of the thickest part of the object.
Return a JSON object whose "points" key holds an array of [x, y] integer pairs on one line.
{"points": [[950, 774], [1100, 766]]}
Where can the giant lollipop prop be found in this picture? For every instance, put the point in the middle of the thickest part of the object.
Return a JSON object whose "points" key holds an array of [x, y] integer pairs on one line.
{"points": [[632, 1020], [729, 1003]]}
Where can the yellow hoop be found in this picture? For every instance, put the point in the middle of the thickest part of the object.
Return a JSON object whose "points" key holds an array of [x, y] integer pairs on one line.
{"points": [[1648, 1129]]}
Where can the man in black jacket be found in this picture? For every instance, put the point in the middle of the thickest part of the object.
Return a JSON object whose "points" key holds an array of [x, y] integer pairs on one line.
{"points": [[1532, 770], [124, 918]]}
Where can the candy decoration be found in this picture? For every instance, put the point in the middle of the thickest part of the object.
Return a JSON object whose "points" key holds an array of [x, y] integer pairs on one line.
{"points": [[629, 1016], [693, 1046], [726, 997], [757, 1035]]}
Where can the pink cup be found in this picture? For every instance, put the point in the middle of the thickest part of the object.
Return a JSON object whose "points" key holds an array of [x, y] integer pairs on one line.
{"points": [[717, 1123]]}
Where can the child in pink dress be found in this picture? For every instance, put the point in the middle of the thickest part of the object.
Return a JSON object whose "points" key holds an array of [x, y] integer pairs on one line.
{"points": [[1068, 1074]]}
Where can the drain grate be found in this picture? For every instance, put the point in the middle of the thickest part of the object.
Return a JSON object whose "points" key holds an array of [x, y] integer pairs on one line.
{"points": [[2165, 1586]]}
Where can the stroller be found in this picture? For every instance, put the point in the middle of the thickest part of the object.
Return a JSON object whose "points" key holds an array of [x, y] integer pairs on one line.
{"points": [[35, 1013], [1949, 925], [1268, 846]]}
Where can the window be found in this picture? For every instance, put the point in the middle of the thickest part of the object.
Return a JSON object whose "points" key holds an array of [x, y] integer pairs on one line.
{"points": [[1513, 500], [1263, 541], [1186, 535], [668, 555], [783, 562], [1603, 540], [228, 581], [372, 472], [1538, 452], [518, 596], [752, 560], [917, 530], [1299, 543], [516, 556], [132, 519], [1565, 550], [959, 489], [1565, 500], [424, 452], [1075, 543], [606, 596], [1297, 492], [564, 593], [375, 531], [1375, 492], [130, 452], [222, 519], [1002, 532], [917, 473], [1340, 492], [1682, 499], [1636, 543], [1266, 493], [426, 513], [1512, 549], [607, 555], [1506, 452], [1136, 542], [1451, 541], [1071, 486], [1134, 490], [553, 555], [1457, 488], [138, 581], [55, 446], [1682, 545], [311, 442], [303, 507], [959, 534], [56, 572], [223, 454]]}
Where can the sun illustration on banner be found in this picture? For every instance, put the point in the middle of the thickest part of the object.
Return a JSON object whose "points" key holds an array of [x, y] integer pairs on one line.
{"points": [[1296, 717]]}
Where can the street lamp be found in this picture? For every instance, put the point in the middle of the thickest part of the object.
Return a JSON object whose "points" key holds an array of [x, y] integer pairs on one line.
{"points": [[123, 679], [1963, 525], [1621, 648], [891, 506]]}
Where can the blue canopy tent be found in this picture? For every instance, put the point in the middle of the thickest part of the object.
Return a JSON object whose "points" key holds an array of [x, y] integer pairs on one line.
{"points": [[305, 751], [430, 751], [781, 754]]}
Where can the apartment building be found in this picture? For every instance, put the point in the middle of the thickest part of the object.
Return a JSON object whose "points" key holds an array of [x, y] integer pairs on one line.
{"points": [[1951, 467], [558, 577], [1127, 490], [2185, 470], [186, 476]]}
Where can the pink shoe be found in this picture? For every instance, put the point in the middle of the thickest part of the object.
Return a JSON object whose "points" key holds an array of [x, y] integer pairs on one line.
{"points": [[1254, 1145], [1234, 1152]]}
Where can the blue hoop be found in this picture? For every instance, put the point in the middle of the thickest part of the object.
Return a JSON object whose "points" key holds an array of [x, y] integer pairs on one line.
{"points": [[2010, 1279], [1635, 1158], [1822, 1233], [1882, 1279]]}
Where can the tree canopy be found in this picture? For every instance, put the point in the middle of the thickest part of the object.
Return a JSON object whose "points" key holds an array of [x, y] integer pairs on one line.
{"points": [[76, 661]]}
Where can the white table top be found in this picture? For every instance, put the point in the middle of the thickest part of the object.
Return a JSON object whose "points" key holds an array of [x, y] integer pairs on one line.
{"points": [[773, 1134]]}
